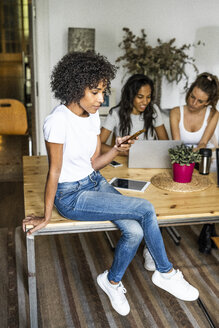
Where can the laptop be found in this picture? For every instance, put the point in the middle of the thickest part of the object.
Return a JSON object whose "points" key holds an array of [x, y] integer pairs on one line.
{"points": [[151, 153]]}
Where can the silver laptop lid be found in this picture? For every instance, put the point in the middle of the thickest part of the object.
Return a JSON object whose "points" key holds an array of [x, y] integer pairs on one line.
{"points": [[151, 153]]}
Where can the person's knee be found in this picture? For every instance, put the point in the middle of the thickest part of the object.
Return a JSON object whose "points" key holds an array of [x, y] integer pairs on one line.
{"points": [[134, 233], [149, 209]]}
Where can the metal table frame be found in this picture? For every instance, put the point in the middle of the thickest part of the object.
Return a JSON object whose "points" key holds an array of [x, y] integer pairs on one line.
{"points": [[31, 261], [80, 227]]}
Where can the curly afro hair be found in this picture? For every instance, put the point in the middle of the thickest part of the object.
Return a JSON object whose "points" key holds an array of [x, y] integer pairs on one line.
{"points": [[78, 70]]}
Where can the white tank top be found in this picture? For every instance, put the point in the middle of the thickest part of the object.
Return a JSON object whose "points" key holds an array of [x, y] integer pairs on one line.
{"points": [[192, 138]]}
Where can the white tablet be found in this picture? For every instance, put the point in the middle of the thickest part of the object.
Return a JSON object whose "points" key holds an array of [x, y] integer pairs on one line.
{"points": [[129, 184]]}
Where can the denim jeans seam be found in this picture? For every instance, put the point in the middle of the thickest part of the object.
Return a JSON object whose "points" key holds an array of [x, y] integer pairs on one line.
{"points": [[107, 213]]}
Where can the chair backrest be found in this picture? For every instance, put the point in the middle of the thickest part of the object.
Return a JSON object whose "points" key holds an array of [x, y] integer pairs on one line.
{"points": [[13, 117]]}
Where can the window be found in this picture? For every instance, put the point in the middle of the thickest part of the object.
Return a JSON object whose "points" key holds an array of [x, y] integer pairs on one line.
{"points": [[14, 26]]}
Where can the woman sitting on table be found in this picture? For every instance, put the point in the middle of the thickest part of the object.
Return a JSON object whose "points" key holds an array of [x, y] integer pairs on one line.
{"points": [[135, 111], [79, 191], [194, 124]]}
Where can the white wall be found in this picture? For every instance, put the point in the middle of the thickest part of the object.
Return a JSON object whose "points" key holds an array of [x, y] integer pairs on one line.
{"points": [[186, 20]]}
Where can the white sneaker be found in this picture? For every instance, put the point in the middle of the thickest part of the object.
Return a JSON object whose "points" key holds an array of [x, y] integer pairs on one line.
{"points": [[176, 285], [148, 260], [115, 294]]}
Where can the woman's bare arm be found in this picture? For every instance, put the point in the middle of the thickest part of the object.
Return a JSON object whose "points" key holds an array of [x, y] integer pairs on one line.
{"points": [[99, 160], [161, 132], [104, 135], [55, 153], [174, 123], [209, 131]]}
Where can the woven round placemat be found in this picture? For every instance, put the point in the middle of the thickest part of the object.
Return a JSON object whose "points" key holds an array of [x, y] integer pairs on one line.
{"points": [[165, 181]]}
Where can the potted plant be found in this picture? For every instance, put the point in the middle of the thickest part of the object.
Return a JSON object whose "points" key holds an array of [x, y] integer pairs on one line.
{"points": [[164, 60], [183, 159]]}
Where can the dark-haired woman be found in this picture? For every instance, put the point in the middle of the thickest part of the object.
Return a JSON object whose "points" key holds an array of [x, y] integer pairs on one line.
{"points": [[134, 112], [78, 190], [194, 124]]}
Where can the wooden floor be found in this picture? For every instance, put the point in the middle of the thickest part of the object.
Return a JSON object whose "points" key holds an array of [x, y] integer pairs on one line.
{"points": [[12, 148]]}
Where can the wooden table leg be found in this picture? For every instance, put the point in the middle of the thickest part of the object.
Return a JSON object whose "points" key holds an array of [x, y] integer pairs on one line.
{"points": [[32, 281]]}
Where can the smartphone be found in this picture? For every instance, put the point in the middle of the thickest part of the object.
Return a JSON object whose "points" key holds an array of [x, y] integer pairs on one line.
{"points": [[135, 135], [129, 184], [115, 164]]}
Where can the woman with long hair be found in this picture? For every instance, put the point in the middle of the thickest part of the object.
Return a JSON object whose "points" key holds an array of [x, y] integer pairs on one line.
{"points": [[135, 111], [194, 124]]}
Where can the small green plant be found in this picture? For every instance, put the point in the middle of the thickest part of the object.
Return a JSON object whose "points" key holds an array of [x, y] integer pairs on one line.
{"points": [[184, 155]]}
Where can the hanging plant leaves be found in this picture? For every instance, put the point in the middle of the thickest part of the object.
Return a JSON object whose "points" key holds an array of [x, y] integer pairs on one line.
{"points": [[164, 60]]}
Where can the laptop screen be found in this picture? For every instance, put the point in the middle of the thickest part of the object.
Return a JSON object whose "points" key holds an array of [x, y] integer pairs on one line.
{"points": [[151, 153]]}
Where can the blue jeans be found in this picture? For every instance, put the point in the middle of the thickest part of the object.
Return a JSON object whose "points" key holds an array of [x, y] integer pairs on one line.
{"points": [[94, 199]]}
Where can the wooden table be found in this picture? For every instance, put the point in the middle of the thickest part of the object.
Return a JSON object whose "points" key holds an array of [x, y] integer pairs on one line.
{"points": [[172, 208]]}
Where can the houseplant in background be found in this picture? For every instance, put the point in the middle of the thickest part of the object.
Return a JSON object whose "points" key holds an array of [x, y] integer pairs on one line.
{"points": [[183, 159], [164, 60]]}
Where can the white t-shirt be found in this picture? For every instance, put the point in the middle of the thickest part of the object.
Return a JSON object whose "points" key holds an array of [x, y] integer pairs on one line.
{"points": [[79, 138], [112, 122]]}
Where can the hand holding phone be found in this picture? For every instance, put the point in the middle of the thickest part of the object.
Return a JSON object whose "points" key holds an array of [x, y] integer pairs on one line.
{"points": [[135, 135]]}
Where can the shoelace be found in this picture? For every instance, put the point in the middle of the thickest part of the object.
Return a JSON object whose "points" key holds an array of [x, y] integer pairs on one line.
{"points": [[121, 288], [180, 276]]}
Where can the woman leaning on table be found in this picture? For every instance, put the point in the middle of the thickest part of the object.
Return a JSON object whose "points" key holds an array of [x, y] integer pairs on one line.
{"points": [[135, 111], [194, 124], [78, 190]]}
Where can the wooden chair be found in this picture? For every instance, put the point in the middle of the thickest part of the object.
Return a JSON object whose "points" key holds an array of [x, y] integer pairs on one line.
{"points": [[216, 241], [13, 119]]}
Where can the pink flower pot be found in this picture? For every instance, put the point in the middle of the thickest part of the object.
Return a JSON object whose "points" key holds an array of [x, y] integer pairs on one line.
{"points": [[182, 174]]}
